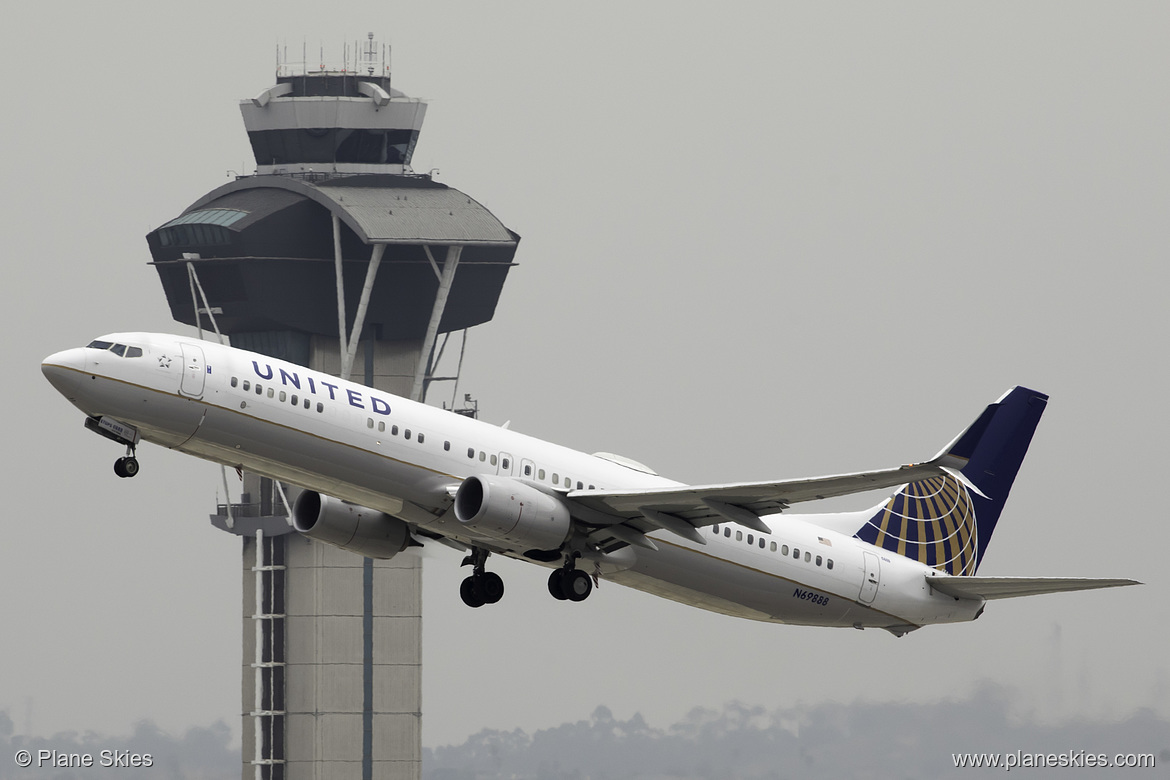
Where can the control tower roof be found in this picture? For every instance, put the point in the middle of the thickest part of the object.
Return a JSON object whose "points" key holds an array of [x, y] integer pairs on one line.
{"points": [[263, 248], [383, 208]]}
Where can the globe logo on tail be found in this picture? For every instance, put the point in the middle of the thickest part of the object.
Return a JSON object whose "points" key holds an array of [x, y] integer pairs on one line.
{"points": [[932, 522]]}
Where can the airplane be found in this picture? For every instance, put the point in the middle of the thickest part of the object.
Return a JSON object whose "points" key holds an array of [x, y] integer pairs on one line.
{"points": [[379, 473]]}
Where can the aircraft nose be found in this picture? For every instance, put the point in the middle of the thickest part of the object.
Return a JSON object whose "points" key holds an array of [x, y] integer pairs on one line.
{"points": [[63, 369]]}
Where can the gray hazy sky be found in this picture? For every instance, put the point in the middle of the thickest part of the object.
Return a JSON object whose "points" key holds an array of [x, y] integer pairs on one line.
{"points": [[760, 240]]}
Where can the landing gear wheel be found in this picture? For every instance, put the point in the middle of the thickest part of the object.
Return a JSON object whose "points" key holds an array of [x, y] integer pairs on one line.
{"points": [[482, 587], [470, 593], [490, 587], [130, 466], [577, 585], [556, 584]]}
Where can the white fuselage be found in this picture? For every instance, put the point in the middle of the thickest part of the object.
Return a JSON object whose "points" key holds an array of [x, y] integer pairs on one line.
{"points": [[403, 458]]}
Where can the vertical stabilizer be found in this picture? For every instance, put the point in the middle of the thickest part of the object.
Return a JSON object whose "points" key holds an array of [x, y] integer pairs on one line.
{"points": [[947, 521]]}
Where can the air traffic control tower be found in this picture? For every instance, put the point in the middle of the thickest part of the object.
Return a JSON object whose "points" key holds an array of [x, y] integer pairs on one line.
{"points": [[335, 256]]}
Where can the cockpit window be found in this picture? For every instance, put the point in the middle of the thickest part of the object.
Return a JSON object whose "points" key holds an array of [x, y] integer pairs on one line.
{"points": [[121, 350]]}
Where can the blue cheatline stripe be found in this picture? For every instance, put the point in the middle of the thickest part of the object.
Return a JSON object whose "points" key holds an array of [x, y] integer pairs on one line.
{"points": [[367, 669]]}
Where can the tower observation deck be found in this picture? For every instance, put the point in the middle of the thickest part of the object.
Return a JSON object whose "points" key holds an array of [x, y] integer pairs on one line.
{"points": [[335, 255]]}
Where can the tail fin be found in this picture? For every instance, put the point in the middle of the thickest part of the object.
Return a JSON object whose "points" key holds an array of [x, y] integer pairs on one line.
{"points": [[947, 521]]}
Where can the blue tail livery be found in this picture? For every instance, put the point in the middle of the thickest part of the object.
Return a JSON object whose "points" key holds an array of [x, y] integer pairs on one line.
{"points": [[947, 521]]}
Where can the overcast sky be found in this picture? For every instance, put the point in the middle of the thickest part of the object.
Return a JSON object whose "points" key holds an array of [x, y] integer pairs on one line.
{"points": [[760, 240]]}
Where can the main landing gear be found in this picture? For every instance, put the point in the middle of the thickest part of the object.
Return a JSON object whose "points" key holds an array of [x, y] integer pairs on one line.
{"points": [[569, 582], [482, 587]]}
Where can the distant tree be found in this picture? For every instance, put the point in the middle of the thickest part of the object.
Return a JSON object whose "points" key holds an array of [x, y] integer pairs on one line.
{"points": [[862, 740]]}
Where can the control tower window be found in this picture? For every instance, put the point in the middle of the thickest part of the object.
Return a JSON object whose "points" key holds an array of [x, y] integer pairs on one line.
{"points": [[195, 235], [332, 145]]}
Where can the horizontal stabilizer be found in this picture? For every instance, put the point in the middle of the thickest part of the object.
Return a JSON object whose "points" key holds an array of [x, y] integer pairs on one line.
{"points": [[1011, 587]]}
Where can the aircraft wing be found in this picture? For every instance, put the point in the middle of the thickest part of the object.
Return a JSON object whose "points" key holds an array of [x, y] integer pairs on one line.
{"points": [[1010, 587], [684, 508]]}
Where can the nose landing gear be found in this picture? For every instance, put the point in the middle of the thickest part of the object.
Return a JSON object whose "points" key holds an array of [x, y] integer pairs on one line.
{"points": [[123, 434], [127, 466]]}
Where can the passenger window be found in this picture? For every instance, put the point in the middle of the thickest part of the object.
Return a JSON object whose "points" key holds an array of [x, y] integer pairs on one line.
{"points": [[421, 437], [796, 553], [259, 390], [818, 560], [751, 539], [505, 464], [715, 529], [306, 403], [772, 547], [784, 550], [320, 407], [540, 475], [381, 426], [739, 536], [527, 470], [727, 532], [807, 556], [446, 446], [556, 478], [482, 456], [247, 385], [295, 400], [369, 422], [271, 392], [495, 460], [393, 430], [592, 488], [235, 381], [829, 563], [406, 434], [761, 542], [580, 486], [133, 351], [471, 452], [283, 396]]}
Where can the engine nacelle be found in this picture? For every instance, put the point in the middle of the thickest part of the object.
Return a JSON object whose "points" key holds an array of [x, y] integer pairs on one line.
{"points": [[510, 511], [355, 528]]}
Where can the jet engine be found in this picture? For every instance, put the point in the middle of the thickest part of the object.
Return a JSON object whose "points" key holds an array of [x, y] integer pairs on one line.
{"points": [[508, 510], [355, 528]]}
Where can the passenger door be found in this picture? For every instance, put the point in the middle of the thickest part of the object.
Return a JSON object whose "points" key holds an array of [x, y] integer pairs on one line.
{"points": [[194, 371], [869, 585]]}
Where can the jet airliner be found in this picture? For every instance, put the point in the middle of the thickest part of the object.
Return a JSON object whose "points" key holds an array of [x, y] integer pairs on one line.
{"points": [[379, 473]]}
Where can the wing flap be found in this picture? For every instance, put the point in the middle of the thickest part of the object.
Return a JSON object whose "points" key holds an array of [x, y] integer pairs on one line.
{"points": [[1011, 587]]}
